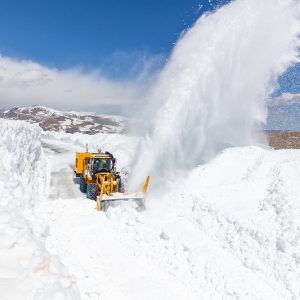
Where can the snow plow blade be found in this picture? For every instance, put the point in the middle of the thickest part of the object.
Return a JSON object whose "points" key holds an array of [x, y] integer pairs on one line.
{"points": [[103, 201]]}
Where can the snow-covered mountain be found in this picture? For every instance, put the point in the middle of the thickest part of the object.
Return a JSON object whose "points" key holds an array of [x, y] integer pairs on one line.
{"points": [[69, 122]]}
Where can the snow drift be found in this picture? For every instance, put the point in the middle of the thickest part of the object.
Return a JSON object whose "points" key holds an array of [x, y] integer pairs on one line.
{"points": [[27, 270], [210, 94], [230, 230]]}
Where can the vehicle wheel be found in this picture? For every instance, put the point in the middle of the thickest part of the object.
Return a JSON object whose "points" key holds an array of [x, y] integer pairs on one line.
{"points": [[82, 184], [92, 191]]}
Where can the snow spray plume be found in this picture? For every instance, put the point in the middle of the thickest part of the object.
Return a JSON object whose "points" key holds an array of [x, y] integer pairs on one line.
{"points": [[211, 92]]}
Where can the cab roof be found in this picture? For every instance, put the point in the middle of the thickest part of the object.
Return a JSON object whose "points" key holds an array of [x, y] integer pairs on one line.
{"points": [[102, 155]]}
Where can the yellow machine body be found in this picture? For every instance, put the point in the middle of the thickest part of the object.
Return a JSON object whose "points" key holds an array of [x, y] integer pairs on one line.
{"points": [[100, 181], [81, 162], [97, 169], [109, 183]]}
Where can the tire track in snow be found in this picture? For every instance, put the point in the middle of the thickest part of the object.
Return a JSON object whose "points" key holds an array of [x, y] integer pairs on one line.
{"points": [[63, 184]]}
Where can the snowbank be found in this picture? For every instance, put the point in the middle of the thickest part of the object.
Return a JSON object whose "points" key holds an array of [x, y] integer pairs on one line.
{"points": [[27, 270], [247, 200], [230, 229]]}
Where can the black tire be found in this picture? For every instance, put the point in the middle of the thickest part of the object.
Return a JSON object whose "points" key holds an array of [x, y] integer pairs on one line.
{"points": [[82, 184], [92, 191]]}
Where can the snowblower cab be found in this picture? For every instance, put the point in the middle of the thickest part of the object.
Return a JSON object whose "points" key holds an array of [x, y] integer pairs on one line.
{"points": [[94, 168], [100, 180], [102, 164]]}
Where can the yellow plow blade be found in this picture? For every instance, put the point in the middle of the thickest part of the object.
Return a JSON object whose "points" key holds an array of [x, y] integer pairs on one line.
{"points": [[104, 201]]}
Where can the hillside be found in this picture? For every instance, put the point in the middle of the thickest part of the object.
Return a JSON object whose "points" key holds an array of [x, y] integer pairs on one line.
{"points": [[284, 139], [69, 122]]}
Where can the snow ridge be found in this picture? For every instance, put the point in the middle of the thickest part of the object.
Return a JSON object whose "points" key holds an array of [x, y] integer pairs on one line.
{"points": [[24, 260], [264, 235]]}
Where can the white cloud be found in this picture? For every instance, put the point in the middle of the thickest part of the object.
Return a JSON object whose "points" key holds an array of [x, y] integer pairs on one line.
{"points": [[285, 98], [24, 82]]}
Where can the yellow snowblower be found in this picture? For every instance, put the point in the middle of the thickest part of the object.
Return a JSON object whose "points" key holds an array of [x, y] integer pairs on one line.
{"points": [[100, 181]]}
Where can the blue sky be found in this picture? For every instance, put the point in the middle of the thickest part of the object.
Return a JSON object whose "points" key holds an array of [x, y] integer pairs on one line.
{"points": [[64, 33], [110, 35], [290, 81]]}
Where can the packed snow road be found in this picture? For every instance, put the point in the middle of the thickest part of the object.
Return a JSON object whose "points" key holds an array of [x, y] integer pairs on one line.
{"points": [[59, 156]]}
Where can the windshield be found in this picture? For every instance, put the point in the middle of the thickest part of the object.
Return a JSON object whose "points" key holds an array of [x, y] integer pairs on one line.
{"points": [[102, 165]]}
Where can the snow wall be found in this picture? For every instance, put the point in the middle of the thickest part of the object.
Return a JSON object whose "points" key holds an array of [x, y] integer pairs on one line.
{"points": [[27, 270], [229, 230], [211, 93]]}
